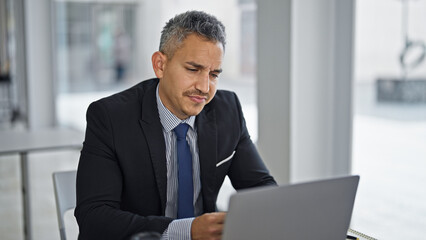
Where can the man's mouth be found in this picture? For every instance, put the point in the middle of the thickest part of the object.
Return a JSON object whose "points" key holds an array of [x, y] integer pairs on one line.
{"points": [[198, 99]]}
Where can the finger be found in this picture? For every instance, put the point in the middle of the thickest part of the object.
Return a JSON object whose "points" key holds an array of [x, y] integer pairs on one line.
{"points": [[220, 217], [216, 230]]}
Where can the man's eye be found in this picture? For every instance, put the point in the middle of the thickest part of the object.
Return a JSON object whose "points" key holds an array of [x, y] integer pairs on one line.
{"points": [[214, 75], [192, 69]]}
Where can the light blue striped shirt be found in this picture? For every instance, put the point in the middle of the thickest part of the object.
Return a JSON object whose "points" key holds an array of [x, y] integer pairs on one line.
{"points": [[179, 229]]}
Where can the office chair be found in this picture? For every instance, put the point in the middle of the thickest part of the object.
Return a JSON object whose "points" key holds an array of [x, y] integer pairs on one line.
{"points": [[65, 195]]}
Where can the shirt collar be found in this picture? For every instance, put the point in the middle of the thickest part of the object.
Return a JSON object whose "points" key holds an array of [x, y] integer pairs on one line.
{"points": [[168, 119]]}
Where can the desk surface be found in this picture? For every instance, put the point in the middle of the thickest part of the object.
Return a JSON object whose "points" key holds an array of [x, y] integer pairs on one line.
{"points": [[37, 140]]}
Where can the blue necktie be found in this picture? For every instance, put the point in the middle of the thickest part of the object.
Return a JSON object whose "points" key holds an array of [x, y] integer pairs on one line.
{"points": [[185, 182]]}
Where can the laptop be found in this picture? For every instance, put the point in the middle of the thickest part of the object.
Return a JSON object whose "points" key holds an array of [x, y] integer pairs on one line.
{"points": [[305, 211]]}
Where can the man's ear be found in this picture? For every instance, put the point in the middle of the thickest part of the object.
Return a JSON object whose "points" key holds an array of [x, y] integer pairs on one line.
{"points": [[158, 63]]}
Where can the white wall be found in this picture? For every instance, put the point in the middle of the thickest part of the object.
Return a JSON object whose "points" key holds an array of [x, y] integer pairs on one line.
{"points": [[305, 108], [41, 108], [274, 85], [148, 36], [322, 78]]}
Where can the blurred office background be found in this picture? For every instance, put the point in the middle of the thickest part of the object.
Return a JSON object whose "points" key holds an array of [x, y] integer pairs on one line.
{"points": [[306, 72]]}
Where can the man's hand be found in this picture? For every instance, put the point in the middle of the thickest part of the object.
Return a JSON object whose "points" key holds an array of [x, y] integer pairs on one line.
{"points": [[208, 226]]}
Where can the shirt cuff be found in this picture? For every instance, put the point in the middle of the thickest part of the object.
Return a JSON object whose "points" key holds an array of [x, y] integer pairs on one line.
{"points": [[179, 229]]}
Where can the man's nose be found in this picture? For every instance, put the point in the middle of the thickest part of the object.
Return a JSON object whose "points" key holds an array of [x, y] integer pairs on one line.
{"points": [[203, 83]]}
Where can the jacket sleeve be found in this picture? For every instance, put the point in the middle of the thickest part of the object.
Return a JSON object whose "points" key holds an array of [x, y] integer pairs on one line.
{"points": [[100, 184], [248, 169]]}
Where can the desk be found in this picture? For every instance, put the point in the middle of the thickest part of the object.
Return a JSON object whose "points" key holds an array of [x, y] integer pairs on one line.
{"points": [[24, 142]]}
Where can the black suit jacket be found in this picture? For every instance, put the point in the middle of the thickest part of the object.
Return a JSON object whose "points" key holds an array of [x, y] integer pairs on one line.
{"points": [[121, 178]]}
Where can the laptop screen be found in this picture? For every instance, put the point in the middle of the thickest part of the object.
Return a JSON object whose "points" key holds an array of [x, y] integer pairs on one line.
{"points": [[312, 210]]}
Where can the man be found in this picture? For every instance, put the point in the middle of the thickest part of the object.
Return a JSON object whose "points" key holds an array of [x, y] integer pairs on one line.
{"points": [[138, 173]]}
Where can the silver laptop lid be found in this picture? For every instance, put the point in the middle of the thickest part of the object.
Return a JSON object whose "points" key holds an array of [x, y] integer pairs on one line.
{"points": [[312, 210]]}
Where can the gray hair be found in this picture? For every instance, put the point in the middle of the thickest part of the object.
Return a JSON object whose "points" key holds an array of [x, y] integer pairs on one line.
{"points": [[178, 28]]}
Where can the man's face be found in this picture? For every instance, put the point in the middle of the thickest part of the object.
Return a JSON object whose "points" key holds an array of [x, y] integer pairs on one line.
{"points": [[188, 80]]}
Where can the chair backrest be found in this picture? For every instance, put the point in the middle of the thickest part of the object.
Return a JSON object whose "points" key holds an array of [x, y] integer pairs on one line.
{"points": [[64, 185]]}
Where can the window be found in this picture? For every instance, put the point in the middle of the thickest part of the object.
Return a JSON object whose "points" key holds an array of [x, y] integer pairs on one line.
{"points": [[389, 132]]}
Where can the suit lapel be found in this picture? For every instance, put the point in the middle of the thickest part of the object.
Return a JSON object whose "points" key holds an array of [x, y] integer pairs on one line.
{"points": [[153, 131], [207, 144]]}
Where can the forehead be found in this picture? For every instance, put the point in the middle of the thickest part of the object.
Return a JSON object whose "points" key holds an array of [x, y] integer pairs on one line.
{"points": [[195, 48]]}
